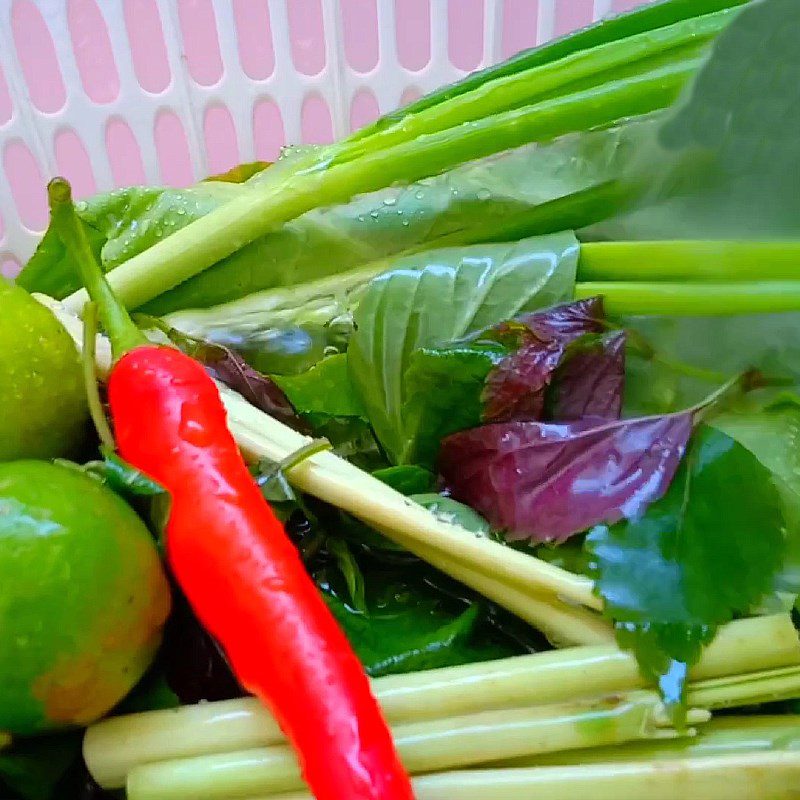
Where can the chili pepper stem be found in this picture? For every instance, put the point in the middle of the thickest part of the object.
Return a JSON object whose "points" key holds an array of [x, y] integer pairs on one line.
{"points": [[124, 335]]}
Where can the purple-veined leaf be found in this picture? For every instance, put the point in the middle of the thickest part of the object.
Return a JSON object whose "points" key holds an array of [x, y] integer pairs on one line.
{"points": [[516, 388], [548, 481], [591, 381]]}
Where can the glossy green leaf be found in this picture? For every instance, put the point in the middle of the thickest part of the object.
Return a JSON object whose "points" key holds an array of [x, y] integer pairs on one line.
{"points": [[407, 629], [324, 389], [33, 768], [436, 298], [773, 437], [443, 388], [407, 478], [708, 550]]}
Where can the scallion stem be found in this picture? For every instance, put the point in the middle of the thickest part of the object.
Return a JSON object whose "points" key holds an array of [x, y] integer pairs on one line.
{"points": [[230, 227], [694, 299], [690, 261]]}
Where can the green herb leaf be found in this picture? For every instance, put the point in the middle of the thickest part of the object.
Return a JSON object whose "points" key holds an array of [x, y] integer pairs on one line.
{"points": [[706, 551], [437, 298], [407, 629], [124, 478], [773, 437], [407, 479], [444, 393], [724, 162], [324, 389]]}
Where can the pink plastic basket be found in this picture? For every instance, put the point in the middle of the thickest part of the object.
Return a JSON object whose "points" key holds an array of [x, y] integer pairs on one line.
{"points": [[118, 92]]}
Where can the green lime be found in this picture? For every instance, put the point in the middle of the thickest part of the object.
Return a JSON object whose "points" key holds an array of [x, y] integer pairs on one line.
{"points": [[83, 597], [43, 410]]}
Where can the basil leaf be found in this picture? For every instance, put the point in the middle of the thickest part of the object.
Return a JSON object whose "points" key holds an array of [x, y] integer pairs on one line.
{"points": [[437, 298]]}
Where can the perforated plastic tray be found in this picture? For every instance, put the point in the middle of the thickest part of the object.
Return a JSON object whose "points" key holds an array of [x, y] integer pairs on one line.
{"points": [[119, 92]]}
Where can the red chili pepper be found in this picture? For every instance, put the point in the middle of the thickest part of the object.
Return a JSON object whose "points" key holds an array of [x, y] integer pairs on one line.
{"points": [[232, 558]]}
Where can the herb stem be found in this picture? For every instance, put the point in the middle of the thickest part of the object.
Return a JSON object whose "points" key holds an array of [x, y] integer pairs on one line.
{"points": [[96, 411], [235, 224]]}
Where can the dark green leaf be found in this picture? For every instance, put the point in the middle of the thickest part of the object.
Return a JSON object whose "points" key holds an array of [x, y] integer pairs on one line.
{"points": [[324, 389], [436, 298], [350, 572], [407, 479], [152, 693], [408, 629], [444, 389], [706, 551]]}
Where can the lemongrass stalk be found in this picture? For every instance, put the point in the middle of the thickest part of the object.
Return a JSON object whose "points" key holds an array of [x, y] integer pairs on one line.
{"points": [[336, 481], [692, 261], [767, 686], [423, 747], [694, 299], [261, 208], [562, 624], [751, 776], [720, 736], [114, 746]]}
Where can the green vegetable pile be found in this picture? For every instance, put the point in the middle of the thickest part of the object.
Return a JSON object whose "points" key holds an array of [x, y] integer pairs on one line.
{"points": [[518, 367]]}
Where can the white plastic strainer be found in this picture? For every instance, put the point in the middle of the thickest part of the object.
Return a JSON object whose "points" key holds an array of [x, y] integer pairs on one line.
{"points": [[114, 92]]}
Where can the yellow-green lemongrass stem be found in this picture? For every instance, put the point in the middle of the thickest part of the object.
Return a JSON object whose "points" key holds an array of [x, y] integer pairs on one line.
{"points": [[116, 745], [5, 739], [751, 776], [766, 686], [424, 747], [720, 736], [563, 625], [336, 481]]}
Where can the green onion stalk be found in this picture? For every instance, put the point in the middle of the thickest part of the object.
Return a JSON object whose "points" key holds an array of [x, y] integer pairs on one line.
{"points": [[613, 71]]}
